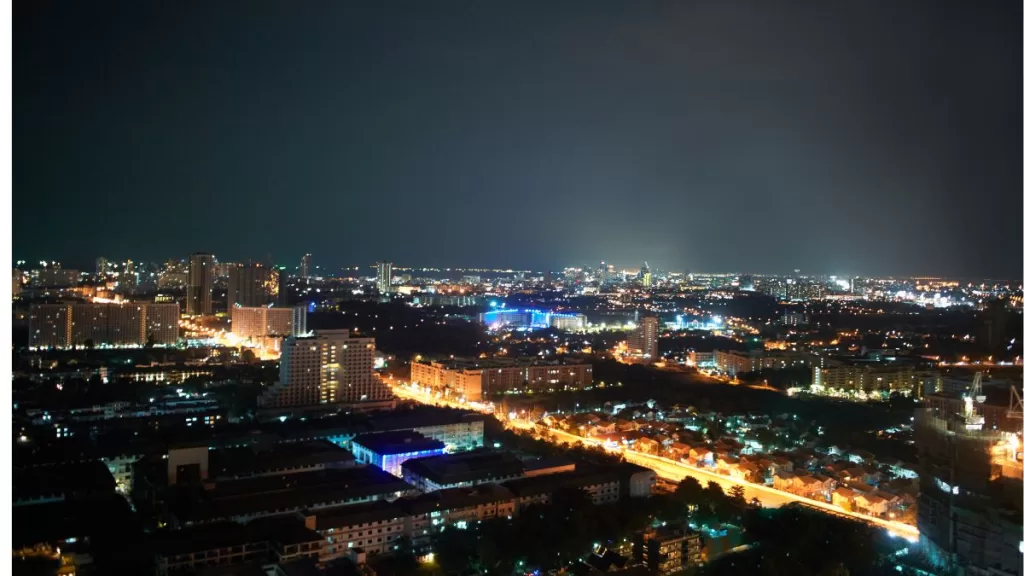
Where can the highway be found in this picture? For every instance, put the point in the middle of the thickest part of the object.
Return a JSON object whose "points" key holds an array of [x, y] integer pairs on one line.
{"points": [[676, 471]]}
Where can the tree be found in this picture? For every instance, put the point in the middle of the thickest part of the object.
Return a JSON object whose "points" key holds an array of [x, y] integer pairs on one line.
{"points": [[690, 491], [755, 502], [150, 341], [90, 344], [248, 356], [736, 493]]}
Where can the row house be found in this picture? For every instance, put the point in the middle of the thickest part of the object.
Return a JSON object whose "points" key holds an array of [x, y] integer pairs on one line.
{"points": [[647, 446], [701, 456], [872, 504]]}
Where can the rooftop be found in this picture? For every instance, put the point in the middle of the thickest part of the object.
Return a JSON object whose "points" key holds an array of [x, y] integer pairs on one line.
{"points": [[465, 467], [576, 479], [254, 460], [456, 498], [267, 494], [397, 442], [356, 514], [33, 482]]}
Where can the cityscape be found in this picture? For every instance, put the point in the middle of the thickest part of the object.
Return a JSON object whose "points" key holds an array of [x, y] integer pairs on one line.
{"points": [[422, 288], [386, 419]]}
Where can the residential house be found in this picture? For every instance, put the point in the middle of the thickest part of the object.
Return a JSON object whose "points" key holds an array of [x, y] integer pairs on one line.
{"points": [[626, 425], [675, 452], [828, 485], [854, 474], [861, 456], [647, 445], [702, 456], [783, 463], [844, 498], [750, 472], [871, 504], [601, 427], [803, 484]]}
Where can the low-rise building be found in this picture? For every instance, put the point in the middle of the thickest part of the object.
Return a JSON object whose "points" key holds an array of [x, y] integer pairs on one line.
{"points": [[388, 450], [477, 380], [461, 470], [667, 550], [603, 484]]}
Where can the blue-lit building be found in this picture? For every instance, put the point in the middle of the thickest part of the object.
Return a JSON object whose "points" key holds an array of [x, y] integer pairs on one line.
{"points": [[388, 450], [532, 319]]}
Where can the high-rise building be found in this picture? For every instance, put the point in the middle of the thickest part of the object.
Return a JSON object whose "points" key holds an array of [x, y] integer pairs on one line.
{"points": [[199, 297], [16, 282], [261, 321], [55, 277], [252, 284], [329, 367], [643, 341], [384, 277], [645, 276], [102, 266], [970, 500], [129, 279], [305, 266], [108, 324]]}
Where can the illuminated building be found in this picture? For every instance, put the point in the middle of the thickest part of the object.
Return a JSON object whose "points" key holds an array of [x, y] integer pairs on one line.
{"points": [[643, 340], [866, 378], [16, 282], [102, 266], [305, 265], [384, 277], [480, 380], [388, 450], [252, 284], [970, 501], [737, 362], [533, 319], [261, 321], [645, 276], [568, 322], [107, 324], [330, 367], [694, 358], [667, 550], [199, 297], [447, 300], [793, 318], [803, 289], [56, 277]]}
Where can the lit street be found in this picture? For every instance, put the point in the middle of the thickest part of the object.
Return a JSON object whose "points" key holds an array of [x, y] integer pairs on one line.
{"points": [[671, 470]]}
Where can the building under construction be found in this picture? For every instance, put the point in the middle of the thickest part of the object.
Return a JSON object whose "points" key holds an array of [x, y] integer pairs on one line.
{"points": [[970, 502]]}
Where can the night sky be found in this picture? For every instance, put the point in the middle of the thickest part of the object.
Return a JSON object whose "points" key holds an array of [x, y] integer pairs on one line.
{"points": [[867, 137]]}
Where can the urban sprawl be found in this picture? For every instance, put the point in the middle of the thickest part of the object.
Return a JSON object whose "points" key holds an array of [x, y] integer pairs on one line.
{"points": [[206, 417]]}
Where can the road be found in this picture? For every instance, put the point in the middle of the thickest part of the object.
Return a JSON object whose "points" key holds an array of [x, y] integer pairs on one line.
{"points": [[676, 471]]}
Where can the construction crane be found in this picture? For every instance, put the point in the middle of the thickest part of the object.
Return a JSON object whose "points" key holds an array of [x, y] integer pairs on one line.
{"points": [[973, 420], [1016, 409]]}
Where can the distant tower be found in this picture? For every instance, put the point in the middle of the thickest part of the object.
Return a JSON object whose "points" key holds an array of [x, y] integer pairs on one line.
{"points": [[102, 266], [645, 276], [130, 278], [252, 284], [305, 265], [643, 341], [199, 298], [384, 277]]}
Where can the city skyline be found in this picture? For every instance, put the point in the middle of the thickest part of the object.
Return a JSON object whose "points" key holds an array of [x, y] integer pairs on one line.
{"points": [[692, 136], [369, 268]]}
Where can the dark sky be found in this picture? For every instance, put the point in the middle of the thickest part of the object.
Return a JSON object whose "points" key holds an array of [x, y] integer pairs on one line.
{"points": [[869, 137]]}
